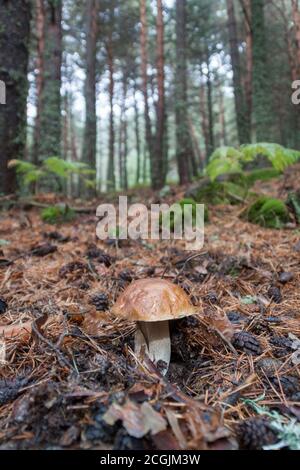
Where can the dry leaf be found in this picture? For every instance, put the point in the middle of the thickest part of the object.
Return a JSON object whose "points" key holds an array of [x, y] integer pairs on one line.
{"points": [[138, 420], [21, 330]]}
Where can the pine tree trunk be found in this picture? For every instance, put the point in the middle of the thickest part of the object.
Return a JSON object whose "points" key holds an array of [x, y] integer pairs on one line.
{"points": [[262, 108], [123, 136], [137, 138], [249, 61], [90, 131], [242, 117], [204, 119], [111, 181], [144, 74], [181, 106], [296, 20], [40, 35], [160, 142], [222, 119], [210, 110], [14, 52], [48, 132]]}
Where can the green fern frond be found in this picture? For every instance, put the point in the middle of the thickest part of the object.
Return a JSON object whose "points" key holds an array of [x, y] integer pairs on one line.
{"points": [[230, 160]]}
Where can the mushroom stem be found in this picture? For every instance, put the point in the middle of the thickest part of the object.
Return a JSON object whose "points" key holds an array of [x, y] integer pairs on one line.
{"points": [[154, 338]]}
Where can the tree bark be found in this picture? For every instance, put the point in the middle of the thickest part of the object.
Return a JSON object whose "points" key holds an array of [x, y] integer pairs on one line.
{"points": [[137, 137], [181, 106], [90, 131], [144, 74], [123, 136], [210, 109], [48, 132], [262, 104], [111, 180], [204, 119], [296, 20], [242, 117], [159, 162], [14, 53], [40, 34]]}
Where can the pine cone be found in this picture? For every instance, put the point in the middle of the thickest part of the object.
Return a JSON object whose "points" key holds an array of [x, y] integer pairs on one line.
{"points": [[126, 275], [274, 294], [99, 255], [290, 385], [281, 346], [100, 301], [255, 433], [3, 306], [246, 342]]}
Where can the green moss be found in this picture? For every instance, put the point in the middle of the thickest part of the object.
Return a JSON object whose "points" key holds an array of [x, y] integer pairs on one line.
{"points": [[263, 174], [222, 193], [57, 214], [267, 212]]}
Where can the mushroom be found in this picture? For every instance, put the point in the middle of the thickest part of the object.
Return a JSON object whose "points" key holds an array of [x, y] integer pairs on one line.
{"points": [[152, 302]]}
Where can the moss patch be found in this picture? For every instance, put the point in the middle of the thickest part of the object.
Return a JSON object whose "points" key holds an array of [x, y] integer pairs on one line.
{"points": [[267, 212]]}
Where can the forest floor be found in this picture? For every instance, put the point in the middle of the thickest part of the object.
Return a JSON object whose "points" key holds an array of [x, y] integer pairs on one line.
{"points": [[68, 375]]}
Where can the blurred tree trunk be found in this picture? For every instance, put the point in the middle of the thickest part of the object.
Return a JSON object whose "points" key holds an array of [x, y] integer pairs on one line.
{"points": [[195, 143], [160, 159], [40, 35], [242, 115], [90, 130], [144, 74], [211, 137], [111, 181], [204, 119], [222, 119], [48, 121], [14, 52], [123, 135], [181, 105], [296, 20], [262, 105], [249, 60], [137, 137]]}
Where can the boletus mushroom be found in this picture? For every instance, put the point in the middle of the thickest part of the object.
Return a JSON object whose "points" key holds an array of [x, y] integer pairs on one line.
{"points": [[152, 303]]}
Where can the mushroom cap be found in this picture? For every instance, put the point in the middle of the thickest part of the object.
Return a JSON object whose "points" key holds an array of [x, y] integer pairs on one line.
{"points": [[152, 300]]}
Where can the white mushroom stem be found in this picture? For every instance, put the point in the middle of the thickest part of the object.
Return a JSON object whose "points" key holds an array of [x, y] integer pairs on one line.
{"points": [[154, 339]]}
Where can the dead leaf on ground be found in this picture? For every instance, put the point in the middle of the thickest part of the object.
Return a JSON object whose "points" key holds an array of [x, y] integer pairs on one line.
{"points": [[137, 419]]}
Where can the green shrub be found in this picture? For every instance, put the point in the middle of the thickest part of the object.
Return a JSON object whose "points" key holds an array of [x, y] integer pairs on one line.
{"points": [[58, 214], [267, 212]]}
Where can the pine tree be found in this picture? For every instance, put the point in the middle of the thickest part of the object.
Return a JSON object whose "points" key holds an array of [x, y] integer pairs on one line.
{"points": [[14, 53]]}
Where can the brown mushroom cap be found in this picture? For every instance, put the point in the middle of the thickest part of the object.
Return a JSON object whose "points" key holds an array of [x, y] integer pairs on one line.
{"points": [[152, 300]]}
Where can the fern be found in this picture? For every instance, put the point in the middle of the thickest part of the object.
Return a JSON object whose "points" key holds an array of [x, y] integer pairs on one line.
{"points": [[230, 160], [53, 166]]}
